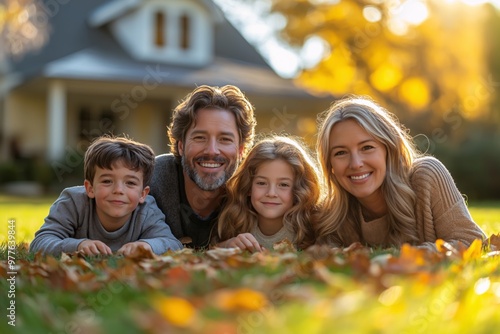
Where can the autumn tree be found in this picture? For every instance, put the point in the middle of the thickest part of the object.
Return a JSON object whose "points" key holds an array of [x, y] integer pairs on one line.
{"points": [[23, 27], [422, 56]]}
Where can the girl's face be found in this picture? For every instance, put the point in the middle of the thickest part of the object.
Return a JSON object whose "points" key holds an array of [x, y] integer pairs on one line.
{"points": [[117, 192], [272, 192], [358, 161]]}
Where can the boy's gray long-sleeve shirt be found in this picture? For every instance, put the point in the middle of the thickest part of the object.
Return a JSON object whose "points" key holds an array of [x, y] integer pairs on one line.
{"points": [[73, 219]]}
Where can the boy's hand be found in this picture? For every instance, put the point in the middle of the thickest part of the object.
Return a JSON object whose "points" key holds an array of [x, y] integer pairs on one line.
{"points": [[243, 241], [94, 247], [130, 248]]}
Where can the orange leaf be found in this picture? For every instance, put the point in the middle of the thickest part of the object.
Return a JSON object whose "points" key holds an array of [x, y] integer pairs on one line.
{"points": [[175, 310], [243, 299]]}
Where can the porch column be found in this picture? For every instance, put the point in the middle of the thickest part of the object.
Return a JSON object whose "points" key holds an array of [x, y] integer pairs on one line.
{"points": [[56, 109]]}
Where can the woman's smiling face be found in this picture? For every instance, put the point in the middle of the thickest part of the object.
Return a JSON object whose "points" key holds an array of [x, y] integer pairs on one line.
{"points": [[358, 161]]}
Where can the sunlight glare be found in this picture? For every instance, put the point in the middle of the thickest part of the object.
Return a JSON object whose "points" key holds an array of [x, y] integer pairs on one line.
{"points": [[372, 14], [413, 12], [410, 12], [313, 51], [284, 61], [475, 2], [325, 2], [482, 285], [397, 26]]}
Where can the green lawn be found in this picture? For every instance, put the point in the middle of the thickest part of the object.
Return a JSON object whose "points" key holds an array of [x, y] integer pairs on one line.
{"points": [[486, 215], [29, 213], [317, 291]]}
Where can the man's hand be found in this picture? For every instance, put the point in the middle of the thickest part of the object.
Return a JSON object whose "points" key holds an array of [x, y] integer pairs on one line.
{"points": [[243, 241], [94, 247], [131, 247]]}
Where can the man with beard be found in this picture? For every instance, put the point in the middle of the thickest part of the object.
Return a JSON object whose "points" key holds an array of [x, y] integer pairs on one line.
{"points": [[211, 131]]}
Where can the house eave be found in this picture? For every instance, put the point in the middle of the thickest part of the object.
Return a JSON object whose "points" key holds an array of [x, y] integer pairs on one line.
{"points": [[110, 11], [92, 64]]}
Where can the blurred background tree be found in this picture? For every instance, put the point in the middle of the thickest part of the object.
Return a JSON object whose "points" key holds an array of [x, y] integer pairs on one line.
{"points": [[23, 27], [434, 63], [413, 55]]}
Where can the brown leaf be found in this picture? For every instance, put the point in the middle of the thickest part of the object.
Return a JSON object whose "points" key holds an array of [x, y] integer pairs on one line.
{"points": [[494, 242], [141, 253], [354, 247], [219, 254], [284, 246]]}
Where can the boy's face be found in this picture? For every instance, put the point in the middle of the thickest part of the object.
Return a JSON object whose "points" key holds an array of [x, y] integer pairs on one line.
{"points": [[117, 193]]}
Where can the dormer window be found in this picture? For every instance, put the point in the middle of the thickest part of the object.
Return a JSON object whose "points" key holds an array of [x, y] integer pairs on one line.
{"points": [[173, 32], [184, 31], [159, 29]]}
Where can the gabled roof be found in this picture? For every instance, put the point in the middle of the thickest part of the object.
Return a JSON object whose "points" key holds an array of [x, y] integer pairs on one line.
{"points": [[114, 9], [110, 11], [82, 47]]}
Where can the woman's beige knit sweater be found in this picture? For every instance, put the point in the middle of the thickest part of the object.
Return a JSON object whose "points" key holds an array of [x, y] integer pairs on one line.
{"points": [[440, 209]]}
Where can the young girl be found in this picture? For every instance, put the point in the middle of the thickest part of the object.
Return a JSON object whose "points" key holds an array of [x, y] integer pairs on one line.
{"points": [[272, 196], [381, 191]]}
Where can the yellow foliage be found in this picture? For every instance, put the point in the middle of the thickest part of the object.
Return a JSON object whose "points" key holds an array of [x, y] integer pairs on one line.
{"points": [[440, 60], [177, 311], [242, 299], [474, 251], [338, 74], [343, 10], [415, 92], [386, 77]]}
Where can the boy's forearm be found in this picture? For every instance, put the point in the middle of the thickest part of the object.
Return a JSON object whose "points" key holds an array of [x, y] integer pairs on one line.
{"points": [[52, 245], [163, 244]]}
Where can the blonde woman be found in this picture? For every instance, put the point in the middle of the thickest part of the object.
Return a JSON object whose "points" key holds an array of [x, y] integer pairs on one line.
{"points": [[381, 190]]}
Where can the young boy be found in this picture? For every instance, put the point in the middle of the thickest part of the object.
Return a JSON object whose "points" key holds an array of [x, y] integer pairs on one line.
{"points": [[112, 211]]}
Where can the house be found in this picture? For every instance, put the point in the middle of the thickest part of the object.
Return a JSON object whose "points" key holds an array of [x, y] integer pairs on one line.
{"points": [[121, 66]]}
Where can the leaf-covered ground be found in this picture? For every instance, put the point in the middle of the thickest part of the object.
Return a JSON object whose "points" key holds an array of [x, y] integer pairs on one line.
{"points": [[321, 290]]}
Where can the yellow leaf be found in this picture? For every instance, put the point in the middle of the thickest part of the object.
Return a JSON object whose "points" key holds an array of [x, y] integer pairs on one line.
{"points": [[175, 310], [240, 300], [474, 251]]}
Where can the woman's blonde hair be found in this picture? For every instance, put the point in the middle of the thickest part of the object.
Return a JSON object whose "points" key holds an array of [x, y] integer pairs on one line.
{"points": [[238, 215], [340, 221]]}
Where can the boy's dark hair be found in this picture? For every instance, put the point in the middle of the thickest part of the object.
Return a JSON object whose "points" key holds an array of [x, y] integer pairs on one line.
{"points": [[105, 151]]}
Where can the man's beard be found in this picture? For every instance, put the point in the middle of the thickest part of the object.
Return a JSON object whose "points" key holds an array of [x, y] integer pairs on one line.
{"points": [[210, 182]]}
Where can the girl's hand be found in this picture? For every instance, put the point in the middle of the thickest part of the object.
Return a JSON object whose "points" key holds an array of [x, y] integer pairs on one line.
{"points": [[244, 241], [94, 247]]}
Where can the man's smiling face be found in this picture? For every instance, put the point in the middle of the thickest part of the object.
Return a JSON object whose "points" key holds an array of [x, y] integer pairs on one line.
{"points": [[211, 150]]}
